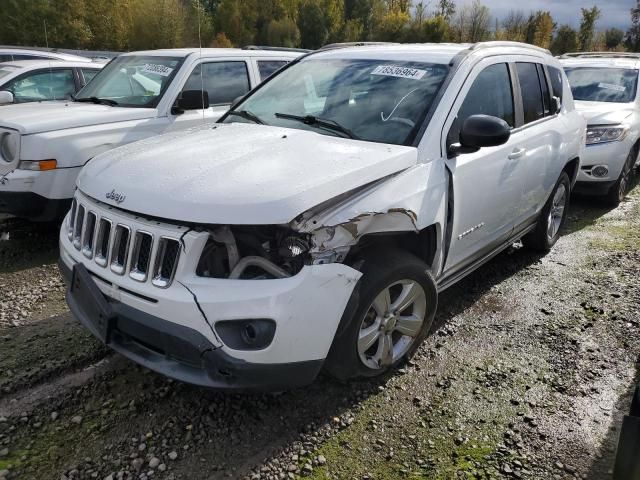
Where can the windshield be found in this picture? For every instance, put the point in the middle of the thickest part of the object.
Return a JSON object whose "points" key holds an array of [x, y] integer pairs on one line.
{"points": [[132, 81], [7, 70], [616, 85], [375, 100]]}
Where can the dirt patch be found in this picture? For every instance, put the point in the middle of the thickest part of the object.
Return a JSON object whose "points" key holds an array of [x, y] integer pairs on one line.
{"points": [[527, 373]]}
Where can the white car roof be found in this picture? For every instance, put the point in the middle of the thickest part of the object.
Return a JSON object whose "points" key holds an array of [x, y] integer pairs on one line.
{"points": [[26, 65], [429, 52], [601, 59], [43, 53], [218, 52]]}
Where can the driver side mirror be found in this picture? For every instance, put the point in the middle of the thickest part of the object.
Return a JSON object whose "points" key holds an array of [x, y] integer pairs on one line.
{"points": [[480, 131], [191, 100], [6, 98], [556, 105]]}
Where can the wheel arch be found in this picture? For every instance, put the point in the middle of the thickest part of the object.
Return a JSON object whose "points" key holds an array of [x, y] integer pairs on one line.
{"points": [[572, 168], [425, 244]]}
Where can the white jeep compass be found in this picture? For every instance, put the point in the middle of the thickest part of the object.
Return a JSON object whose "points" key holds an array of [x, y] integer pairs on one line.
{"points": [[605, 87], [136, 96], [316, 223]]}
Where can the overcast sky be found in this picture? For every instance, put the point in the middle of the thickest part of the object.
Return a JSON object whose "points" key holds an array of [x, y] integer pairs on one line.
{"points": [[615, 13]]}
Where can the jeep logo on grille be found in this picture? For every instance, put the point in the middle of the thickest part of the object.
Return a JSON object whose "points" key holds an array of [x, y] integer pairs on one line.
{"points": [[116, 197]]}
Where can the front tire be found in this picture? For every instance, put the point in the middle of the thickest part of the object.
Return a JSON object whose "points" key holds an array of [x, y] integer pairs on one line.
{"points": [[619, 190], [388, 316], [552, 218]]}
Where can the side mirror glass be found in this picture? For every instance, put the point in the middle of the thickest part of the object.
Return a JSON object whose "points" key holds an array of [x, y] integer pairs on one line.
{"points": [[556, 104], [191, 100], [6, 98]]}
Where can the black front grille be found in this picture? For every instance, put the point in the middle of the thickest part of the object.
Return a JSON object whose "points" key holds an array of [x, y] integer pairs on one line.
{"points": [[123, 247], [166, 262], [141, 256]]}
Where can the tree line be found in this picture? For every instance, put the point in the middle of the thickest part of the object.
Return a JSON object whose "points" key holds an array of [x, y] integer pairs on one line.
{"points": [[149, 24]]}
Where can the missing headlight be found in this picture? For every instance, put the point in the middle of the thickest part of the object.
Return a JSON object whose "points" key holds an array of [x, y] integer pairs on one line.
{"points": [[257, 253]]}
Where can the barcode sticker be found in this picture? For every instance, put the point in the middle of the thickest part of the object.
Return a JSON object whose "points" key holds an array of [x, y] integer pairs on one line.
{"points": [[400, 72], [161, 70], [610, 86]]}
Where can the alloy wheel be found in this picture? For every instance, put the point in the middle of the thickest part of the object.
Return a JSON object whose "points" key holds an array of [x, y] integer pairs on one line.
{"points": [[556, 214], [391, 324]]}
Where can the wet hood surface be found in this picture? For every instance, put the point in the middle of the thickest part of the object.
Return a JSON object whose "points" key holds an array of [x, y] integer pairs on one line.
{"points": [[237, 173], [38, 117], [603, 113]]}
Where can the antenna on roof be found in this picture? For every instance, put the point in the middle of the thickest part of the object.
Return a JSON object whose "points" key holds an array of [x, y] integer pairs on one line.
{"points": [[46, 38]]}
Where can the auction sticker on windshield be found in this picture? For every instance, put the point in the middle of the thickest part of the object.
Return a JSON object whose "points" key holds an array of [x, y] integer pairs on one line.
{"points": [[400, 72], [161, 70], [610, 86]]}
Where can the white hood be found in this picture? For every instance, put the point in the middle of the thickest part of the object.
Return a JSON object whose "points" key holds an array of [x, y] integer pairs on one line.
{"points": [[36, 117], [237, 173], [604, 113]]}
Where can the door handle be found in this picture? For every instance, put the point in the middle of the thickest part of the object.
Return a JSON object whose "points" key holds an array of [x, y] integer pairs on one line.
{"points": [[517, 153]]}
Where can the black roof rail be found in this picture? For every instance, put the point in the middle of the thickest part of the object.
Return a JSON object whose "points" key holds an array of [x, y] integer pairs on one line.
{"points": [[275, 49], [354, 44]]}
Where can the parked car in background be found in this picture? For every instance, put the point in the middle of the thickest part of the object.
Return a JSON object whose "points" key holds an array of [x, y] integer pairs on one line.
{"points": [[11, 54], [315, 225], [605, 87], [135, 96], [40, 80]]}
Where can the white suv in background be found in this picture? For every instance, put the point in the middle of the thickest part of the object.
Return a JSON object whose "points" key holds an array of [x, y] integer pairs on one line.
{"points": [[605, 88], [136, 96], [315, 225]]}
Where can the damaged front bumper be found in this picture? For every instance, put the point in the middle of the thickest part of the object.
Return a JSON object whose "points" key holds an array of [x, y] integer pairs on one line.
{"points": [[174, 331], [183, 353]]}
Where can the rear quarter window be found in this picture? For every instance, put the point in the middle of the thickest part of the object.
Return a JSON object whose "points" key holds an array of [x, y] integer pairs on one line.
{"points": [[269, 67], [557, 82]]}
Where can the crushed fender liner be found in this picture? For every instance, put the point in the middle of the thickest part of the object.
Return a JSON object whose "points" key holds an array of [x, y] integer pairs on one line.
{"points": [[177, 351]]}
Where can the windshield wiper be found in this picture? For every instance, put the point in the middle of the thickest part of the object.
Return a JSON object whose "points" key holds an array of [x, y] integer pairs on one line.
{"points": [[320, 122], [96, 100], [246, 114]]}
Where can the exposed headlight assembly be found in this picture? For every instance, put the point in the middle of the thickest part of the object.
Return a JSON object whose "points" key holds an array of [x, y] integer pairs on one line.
{"points": [[597, 135], [9, 144]]}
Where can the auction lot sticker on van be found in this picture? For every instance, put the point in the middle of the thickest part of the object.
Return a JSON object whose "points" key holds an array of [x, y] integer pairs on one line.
{"points": [[161, 70], [401, 72]]}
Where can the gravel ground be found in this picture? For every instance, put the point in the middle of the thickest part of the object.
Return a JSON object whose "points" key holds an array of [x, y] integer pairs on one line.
{"points": [[527, 373]]}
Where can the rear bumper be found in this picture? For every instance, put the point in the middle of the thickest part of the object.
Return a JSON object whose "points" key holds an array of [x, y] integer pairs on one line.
{"points": [[33, 206], [186, 355]]}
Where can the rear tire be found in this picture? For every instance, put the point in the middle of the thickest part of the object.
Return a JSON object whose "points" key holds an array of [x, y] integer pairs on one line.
{"points": [[619, 190], [552, 218], [388, 316]]}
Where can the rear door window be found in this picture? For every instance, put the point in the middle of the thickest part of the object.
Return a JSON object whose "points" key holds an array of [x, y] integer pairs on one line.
{"points": [[532, 98], [269, 67], [223, 81]]}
